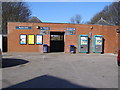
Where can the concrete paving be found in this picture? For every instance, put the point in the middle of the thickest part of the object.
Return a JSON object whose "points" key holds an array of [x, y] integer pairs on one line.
{"points": [[59, 70]]}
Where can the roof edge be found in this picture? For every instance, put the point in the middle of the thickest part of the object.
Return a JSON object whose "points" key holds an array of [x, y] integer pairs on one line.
{"points": [[64, 23]]}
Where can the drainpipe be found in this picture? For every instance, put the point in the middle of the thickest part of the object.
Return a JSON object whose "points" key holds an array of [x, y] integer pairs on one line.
{"points": [[117, 39], [1, 25], [91, 40]]}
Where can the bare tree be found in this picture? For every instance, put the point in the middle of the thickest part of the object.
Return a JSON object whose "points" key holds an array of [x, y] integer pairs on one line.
{"points": [[14, 12], [110, 13], [72, 20], [76, 20]]}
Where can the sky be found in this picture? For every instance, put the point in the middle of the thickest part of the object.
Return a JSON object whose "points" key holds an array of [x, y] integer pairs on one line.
{"points": [[61, 12]]}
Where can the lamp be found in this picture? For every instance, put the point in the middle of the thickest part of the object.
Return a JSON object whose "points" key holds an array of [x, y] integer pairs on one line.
{"points": [[38, 27], [91, 27], [118, 30]]}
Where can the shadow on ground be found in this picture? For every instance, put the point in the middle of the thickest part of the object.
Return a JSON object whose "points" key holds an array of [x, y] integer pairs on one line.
{"points": [[47, 81], [10, 62]]}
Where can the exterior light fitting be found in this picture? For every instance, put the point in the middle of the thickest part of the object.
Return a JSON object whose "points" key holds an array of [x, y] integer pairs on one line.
{"points": [[38, 27], [118, 30], [91, 27]]}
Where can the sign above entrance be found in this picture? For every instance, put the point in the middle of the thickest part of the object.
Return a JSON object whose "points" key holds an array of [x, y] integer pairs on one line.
{"points": [[44, 28], [23, 27], [44, 32], [70, 31]]}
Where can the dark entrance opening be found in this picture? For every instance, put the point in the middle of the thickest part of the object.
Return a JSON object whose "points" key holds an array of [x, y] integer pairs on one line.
{"points": [[4, 44], [56, 41]]}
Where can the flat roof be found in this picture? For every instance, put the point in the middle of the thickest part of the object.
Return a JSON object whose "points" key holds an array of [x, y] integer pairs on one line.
{"points": [[65, 23]]}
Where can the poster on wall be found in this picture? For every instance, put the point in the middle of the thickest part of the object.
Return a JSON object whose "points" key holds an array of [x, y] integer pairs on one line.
{"points": [[84, 40], [23, 39], [98, 40], [38, 39], [31, 39]]}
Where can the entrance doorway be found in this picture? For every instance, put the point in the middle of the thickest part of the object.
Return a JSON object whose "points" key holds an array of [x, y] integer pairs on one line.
{"points": [[56, 41]]}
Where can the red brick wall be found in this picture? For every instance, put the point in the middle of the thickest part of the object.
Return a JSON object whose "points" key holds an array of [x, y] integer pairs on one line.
{"points": [[118, 35], [109, 32], [13, 38]]}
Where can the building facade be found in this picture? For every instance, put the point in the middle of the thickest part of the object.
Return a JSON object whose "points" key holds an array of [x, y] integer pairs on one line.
{"points": [[31, 37]]}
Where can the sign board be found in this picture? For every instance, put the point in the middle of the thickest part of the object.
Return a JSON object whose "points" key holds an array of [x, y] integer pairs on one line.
{"points": [[43, 32], [31, 39], [23, 27], [38, 39], [84, 40], [44, 28], [23, 39], [70, 31], [98, 40]]}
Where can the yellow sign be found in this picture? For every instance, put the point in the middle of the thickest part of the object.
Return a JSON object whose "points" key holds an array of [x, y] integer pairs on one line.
{"points": [[31, 39]]}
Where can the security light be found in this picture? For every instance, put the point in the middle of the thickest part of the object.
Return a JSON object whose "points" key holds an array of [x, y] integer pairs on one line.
{"points": [[38, 27], [91, 27], [118, 30]]}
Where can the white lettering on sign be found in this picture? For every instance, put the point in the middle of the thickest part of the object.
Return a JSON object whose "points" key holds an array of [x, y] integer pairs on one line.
{"points": [[23, 27]]}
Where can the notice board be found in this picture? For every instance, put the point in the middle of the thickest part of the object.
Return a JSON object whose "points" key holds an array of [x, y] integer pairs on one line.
{"points": [[38, 39], [31, 39], [23, 39]]}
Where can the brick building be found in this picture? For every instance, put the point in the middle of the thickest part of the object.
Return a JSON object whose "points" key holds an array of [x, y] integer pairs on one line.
{"points": [[30, 37]]}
